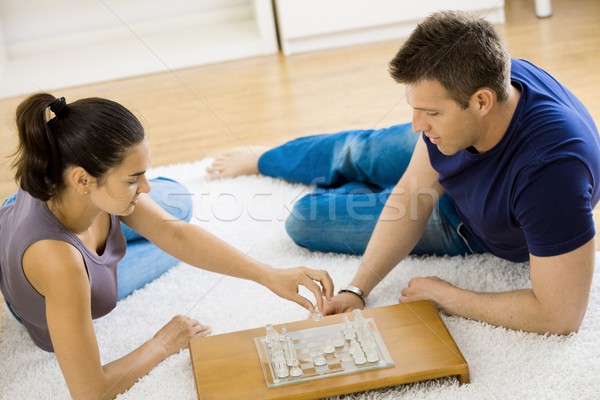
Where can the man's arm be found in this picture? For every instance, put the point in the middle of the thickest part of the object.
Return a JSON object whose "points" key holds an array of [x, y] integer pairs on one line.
{"points": [[556, 302], [398, 229]]}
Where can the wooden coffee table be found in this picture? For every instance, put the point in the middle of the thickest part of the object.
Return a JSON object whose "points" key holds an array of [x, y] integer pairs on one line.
{"points": [[228, 366]]}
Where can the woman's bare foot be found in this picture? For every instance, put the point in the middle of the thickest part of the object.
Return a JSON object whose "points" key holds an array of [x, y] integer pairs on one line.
{"points": [[235, 162]]}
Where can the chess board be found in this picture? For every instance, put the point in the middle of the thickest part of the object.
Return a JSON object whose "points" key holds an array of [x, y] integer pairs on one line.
{"points": [[325, 341], [228, 366]]}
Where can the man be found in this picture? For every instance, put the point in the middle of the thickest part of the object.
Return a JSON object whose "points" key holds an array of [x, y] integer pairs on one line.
{"points": [[508, 159]]}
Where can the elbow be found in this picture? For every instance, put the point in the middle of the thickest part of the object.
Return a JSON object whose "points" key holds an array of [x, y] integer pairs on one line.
{"points": [[564, 329], [563, 325]]}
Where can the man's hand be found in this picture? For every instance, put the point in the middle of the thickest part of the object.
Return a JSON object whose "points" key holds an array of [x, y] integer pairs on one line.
{"points": [[430, 288], [343, 302]]}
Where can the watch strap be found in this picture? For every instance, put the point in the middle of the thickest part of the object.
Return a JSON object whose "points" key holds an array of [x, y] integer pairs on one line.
{"points": [[354, 290]]}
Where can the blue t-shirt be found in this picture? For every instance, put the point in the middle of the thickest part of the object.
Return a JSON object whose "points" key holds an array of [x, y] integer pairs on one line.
{"points": [[533, 193]]}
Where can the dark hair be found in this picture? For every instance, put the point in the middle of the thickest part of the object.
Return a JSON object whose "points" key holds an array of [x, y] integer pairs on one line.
{"points": [[461, 51], [92, 133]]}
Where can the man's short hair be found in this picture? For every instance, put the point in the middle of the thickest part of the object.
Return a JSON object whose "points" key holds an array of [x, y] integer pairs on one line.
{"points": [[463, 52]]}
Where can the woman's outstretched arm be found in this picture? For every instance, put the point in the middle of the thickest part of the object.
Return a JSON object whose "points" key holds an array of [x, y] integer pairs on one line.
{"points": [[195, 246]]}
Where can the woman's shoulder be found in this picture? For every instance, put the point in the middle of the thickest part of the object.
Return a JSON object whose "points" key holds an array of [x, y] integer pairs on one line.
{"points": [[49, 263]]}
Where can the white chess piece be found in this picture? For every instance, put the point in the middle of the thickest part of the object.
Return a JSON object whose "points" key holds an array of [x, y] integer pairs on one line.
{"points": [[316, 315], [372, 356], [282, 371], [294, 362], [283, 334], [339, 340], [270, 334], [320, 359], [348, 328], [360, 359], [329, 348]]}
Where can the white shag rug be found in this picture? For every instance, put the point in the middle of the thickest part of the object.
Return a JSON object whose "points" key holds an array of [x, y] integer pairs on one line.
{"points": [[249, 213]]}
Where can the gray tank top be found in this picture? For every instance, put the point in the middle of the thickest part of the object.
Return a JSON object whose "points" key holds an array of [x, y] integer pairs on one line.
{"points": [[29, 220]]}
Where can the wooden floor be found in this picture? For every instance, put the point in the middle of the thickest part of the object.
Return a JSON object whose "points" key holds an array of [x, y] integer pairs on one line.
{"points": [[194, 113]]}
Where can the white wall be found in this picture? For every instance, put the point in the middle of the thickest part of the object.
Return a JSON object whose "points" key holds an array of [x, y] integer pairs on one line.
{"points": [[57, 43], [306, 25], [29, 25], [33, 19]]}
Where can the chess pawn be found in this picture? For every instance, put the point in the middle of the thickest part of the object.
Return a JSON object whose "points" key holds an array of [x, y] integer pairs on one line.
{"points": [[347, 324], [283, 334], [372, 356], [348, 328], [278, 359], [276, 348], [282, 371], [329, 348], [357, 318], [357, 353], [369, 346], [359, 333], [294, 362], [339, 340], [269, 336], [291, 356], [320, 359], [357, 314], [316, 315], [290, 349], [360, 359], [353, 347], [296, 371]]}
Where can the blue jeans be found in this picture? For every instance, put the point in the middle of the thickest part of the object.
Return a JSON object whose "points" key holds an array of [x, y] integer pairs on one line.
{"points": [[143, 261], [355, 172]]}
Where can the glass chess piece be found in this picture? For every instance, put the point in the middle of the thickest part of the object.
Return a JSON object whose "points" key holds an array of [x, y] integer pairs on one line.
{"points": [[329, 348], [296, 371], [360, 359], [317, 315], [283, 334], [282, 371], [339, 340], [320, 359], [348, 328], [372, 356]]}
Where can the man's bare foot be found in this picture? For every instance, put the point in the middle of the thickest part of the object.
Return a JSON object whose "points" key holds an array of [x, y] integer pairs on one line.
{"points": [[235, 162]]}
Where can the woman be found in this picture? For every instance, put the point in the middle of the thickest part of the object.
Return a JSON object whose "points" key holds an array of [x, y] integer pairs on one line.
{"points": [[80, 174]]}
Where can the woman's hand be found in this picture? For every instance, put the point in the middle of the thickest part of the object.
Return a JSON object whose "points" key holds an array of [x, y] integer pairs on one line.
{"points": [[285, 282], [176, 334]]}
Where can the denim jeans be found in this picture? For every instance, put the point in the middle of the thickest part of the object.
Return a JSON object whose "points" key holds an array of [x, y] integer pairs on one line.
{"points": [[143, 261], [355, 172]]}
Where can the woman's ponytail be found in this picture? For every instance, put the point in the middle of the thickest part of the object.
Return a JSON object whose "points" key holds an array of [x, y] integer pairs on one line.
{"points": [[37, 162]]}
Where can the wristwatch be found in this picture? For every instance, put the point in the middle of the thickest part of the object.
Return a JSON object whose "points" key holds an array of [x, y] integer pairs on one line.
{"points": [[354, 290]]}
